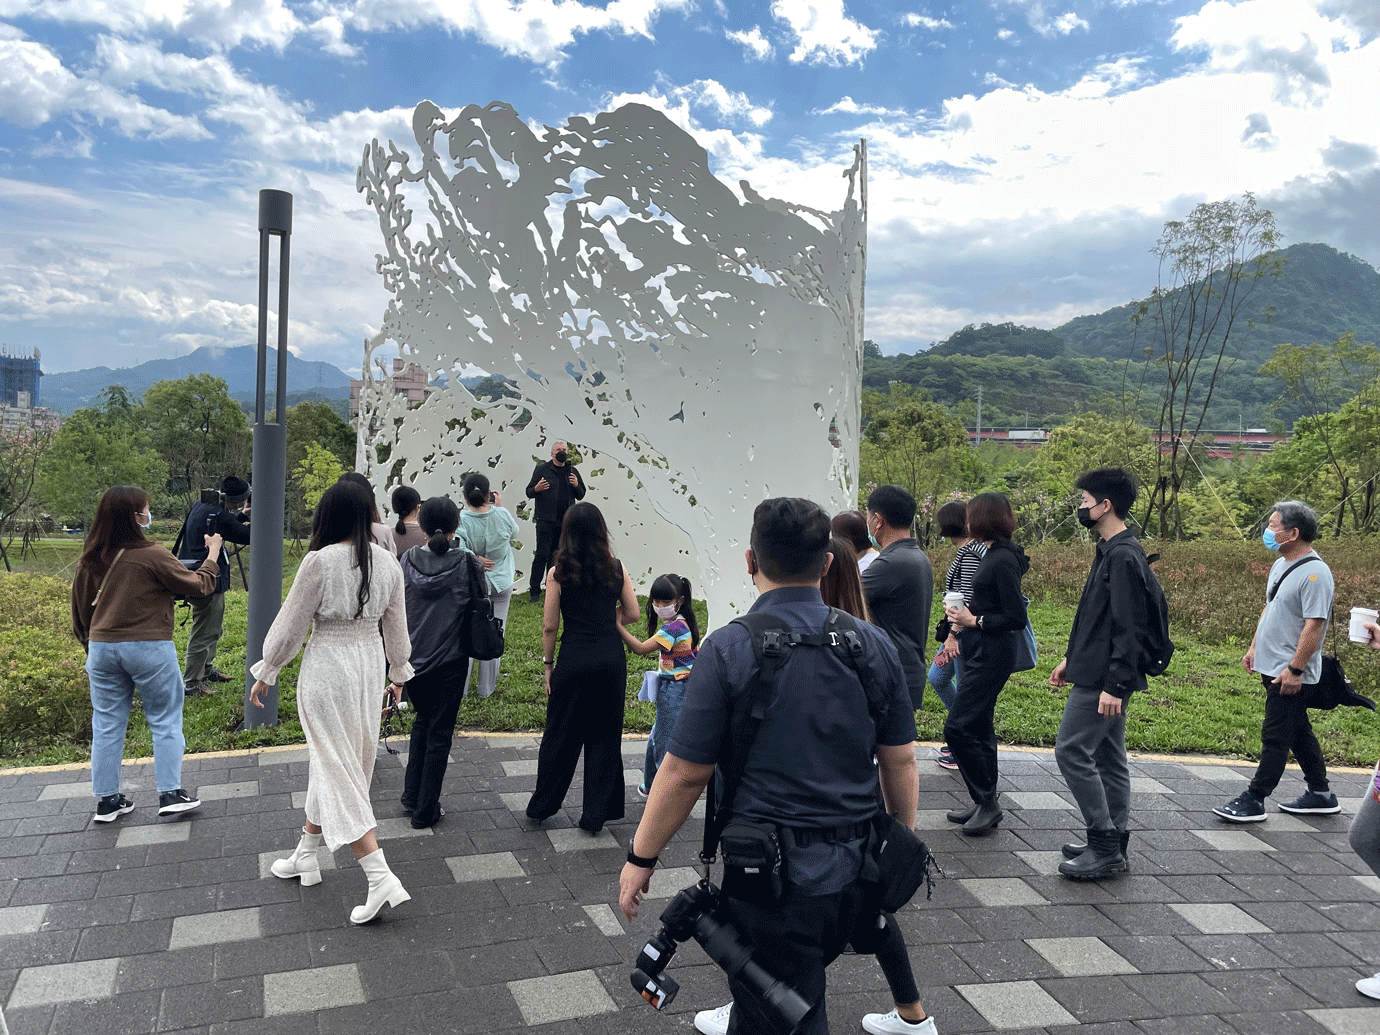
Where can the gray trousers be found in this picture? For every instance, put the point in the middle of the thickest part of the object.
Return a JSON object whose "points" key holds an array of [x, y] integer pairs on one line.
{"points": [[208, 617], [1364, 833], [1091, 752]]}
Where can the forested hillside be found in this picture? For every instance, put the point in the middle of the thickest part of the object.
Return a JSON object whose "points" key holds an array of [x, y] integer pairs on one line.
{"points": [[1038, 377]]}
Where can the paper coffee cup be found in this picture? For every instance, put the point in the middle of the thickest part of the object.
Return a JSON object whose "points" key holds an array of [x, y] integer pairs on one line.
{"points": [[955, 599], [1359, 616]]}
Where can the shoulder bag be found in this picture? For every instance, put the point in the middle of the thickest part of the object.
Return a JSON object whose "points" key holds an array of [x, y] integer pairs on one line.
{"points": [[481, 632]]}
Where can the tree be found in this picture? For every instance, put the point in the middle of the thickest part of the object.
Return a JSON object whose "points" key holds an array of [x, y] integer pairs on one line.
{"points": [[21, 451], [316, 472], [198, 430], [1210, 265], [88, 456], [313, 423]]}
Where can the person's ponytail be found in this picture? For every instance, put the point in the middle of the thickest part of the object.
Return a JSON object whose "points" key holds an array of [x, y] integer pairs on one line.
{"points": [[439, 519], [687, 611], [405, 500]]}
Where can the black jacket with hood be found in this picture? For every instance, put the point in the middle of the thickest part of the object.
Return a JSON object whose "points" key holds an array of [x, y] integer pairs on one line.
{"points": [[438, 592]]}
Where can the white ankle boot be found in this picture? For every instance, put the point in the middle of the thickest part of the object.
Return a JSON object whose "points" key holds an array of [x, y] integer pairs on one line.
{"points": [[302, 862], [383, 887]]}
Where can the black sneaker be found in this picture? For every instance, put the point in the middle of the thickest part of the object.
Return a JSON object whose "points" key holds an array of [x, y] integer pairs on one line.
{"points": [[946, 758], [215, 675], [1244, 808], [112, 806], [1312, 803], [170, 803], [197, 689]]}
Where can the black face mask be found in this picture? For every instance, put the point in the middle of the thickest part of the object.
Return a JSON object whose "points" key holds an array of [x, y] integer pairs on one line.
{"points": [[561, 454], [1085, 517]]}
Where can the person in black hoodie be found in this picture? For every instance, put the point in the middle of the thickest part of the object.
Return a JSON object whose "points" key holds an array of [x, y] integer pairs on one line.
{"points": [[555, 486], [436, 577], [988, 632]]}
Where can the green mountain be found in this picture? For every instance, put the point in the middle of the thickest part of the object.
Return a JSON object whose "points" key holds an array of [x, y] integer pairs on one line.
{"points": [[1033, 377]]}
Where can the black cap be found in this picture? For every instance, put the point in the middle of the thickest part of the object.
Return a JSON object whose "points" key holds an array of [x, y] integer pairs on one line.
{"points": [[234, 488]]}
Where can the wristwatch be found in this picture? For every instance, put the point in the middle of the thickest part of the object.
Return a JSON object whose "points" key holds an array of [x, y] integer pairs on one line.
{"points": [[1296, 671]]}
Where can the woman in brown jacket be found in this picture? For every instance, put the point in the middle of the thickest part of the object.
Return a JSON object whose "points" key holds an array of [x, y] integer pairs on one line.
{"points": [[122, 612]]}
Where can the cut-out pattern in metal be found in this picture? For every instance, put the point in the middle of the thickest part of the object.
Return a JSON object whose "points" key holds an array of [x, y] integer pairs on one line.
{"points": [[701, 349]]}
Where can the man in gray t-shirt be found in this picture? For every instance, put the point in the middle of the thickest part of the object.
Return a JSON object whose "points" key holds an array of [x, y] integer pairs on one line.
{"points": [[1287, 654], [899, 584]]}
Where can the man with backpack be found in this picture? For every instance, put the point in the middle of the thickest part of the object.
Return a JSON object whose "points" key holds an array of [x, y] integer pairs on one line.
{"points": [[794, 754], [223, 514], [1120, 612], [1286, 653]]}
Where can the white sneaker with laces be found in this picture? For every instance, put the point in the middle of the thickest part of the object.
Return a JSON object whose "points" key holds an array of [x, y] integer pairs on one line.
{"points": [[1369, 986], [714, 1022], [894, 1024]]}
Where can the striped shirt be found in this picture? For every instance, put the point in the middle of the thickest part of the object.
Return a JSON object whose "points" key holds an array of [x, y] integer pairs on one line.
{"points": [[964, 567], [677, 649]]}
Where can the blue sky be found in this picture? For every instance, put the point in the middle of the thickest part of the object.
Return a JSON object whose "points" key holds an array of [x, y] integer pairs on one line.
{"points": [[1023, 153]]}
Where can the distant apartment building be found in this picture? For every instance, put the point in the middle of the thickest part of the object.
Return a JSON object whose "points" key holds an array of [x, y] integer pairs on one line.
{"points": [[19, 374], [409, 380]]}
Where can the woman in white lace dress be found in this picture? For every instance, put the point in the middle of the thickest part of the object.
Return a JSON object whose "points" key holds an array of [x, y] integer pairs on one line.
{"points": [[343, 588]]}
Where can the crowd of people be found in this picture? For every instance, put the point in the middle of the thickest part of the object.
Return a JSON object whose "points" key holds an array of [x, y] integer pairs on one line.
{"points": [[811, 769]]}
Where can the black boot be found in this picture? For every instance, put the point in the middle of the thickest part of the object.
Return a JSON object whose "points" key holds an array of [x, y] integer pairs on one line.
{"points": [[1102, 857], [1073, 851], [961, 815], [987, 816]]}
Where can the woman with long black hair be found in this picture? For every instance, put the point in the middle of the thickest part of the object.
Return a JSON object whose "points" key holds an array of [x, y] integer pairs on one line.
{"points": [[589, 593], [989, 630], [122, 612], [345, 586]]}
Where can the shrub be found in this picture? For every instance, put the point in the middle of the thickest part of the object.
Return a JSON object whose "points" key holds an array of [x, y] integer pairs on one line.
{"points": [[44, 696]]}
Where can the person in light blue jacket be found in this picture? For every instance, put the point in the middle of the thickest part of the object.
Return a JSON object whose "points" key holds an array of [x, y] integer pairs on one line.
{"points": [[487, 531]]}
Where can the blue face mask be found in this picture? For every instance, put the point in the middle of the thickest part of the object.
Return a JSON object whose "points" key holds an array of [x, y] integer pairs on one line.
{"points": [[1268, 538], [873, 540]]}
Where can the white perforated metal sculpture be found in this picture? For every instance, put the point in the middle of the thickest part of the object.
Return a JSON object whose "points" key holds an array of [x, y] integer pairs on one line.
{"points": [[702, 350]]}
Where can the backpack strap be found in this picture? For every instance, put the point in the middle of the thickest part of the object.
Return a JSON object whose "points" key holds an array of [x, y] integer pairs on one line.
{"points": [[1270, 596]]}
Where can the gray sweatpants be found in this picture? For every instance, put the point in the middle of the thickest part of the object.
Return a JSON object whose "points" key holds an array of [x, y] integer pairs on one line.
{"points": [[1364, 833], [208, 619], [1091, 752]]}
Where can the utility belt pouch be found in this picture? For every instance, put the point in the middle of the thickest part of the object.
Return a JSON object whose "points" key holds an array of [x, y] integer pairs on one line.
{"points": [[753, 861], [897, 862]]}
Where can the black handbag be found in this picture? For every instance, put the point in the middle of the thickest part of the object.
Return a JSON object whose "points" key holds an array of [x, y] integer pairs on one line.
{"points": [[1333, 688], [481, 632]]}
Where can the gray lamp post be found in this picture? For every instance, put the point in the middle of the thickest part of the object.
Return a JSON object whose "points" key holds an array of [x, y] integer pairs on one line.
{"points": [[270, 460]]}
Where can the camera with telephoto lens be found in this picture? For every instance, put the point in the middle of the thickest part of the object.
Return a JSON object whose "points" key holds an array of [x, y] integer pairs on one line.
{"points": [[691, 915]]}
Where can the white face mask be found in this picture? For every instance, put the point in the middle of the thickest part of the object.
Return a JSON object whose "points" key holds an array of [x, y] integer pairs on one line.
{"points": [[666, 612], [143, 524]]}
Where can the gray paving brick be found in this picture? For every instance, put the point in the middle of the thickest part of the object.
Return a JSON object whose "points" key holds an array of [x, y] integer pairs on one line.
{"points": [[572, 839], [22, 919], [225, 791], [305, 991], [1079, 957], [1232, 841], [63, 983], [1219, 918], [154, 834], [63, 791], [520, 767], [400, 826], [561, 997], [1003, 891], [494, 866], [1015, 1004], [235, 925], [1355, 1020]]}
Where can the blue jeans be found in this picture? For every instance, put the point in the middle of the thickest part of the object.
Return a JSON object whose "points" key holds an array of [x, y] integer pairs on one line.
{"points": [[944, 679], [670, 695], [115, 670]]}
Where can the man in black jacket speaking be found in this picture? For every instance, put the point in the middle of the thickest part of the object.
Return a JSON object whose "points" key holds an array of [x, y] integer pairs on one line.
{"points": [[228, 518], [555, 485], [1101, 669]]}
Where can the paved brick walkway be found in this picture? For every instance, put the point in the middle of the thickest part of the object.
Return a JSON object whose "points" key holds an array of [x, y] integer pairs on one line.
{"points": [[147, 925]]}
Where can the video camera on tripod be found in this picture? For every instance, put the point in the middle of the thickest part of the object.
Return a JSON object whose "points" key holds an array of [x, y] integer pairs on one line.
{"points": [[691, 915]]}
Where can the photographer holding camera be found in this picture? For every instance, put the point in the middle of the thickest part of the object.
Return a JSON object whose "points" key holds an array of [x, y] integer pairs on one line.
{"points": [[799, 785], [223, 513]]}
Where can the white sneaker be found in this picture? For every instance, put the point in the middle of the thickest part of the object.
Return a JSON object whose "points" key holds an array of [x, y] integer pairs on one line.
{"points": [[714, 1022], [894, 1024], [1366, 986]]}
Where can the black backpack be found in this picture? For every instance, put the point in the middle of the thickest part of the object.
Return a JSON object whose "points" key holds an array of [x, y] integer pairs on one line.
{"points": [[1156, 648]]}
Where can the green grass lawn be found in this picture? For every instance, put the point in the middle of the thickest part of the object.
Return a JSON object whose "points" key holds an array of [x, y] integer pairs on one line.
{"points": [[1205, 703]]}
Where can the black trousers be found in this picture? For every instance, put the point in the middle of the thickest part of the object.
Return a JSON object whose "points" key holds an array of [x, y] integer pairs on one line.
{"points": [[1286, 728], [794, 940], [584, 712], [436, 702], [970, 729], [547, 531]]}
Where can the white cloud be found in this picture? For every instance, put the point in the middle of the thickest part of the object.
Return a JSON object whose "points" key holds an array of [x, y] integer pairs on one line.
{"points": [[847, 106], [922, 21], [1046, 21], [36, 87], [221, 23], [824, 33], [1111, 77], [1005, 34], [753, 42], [537, 30]]}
